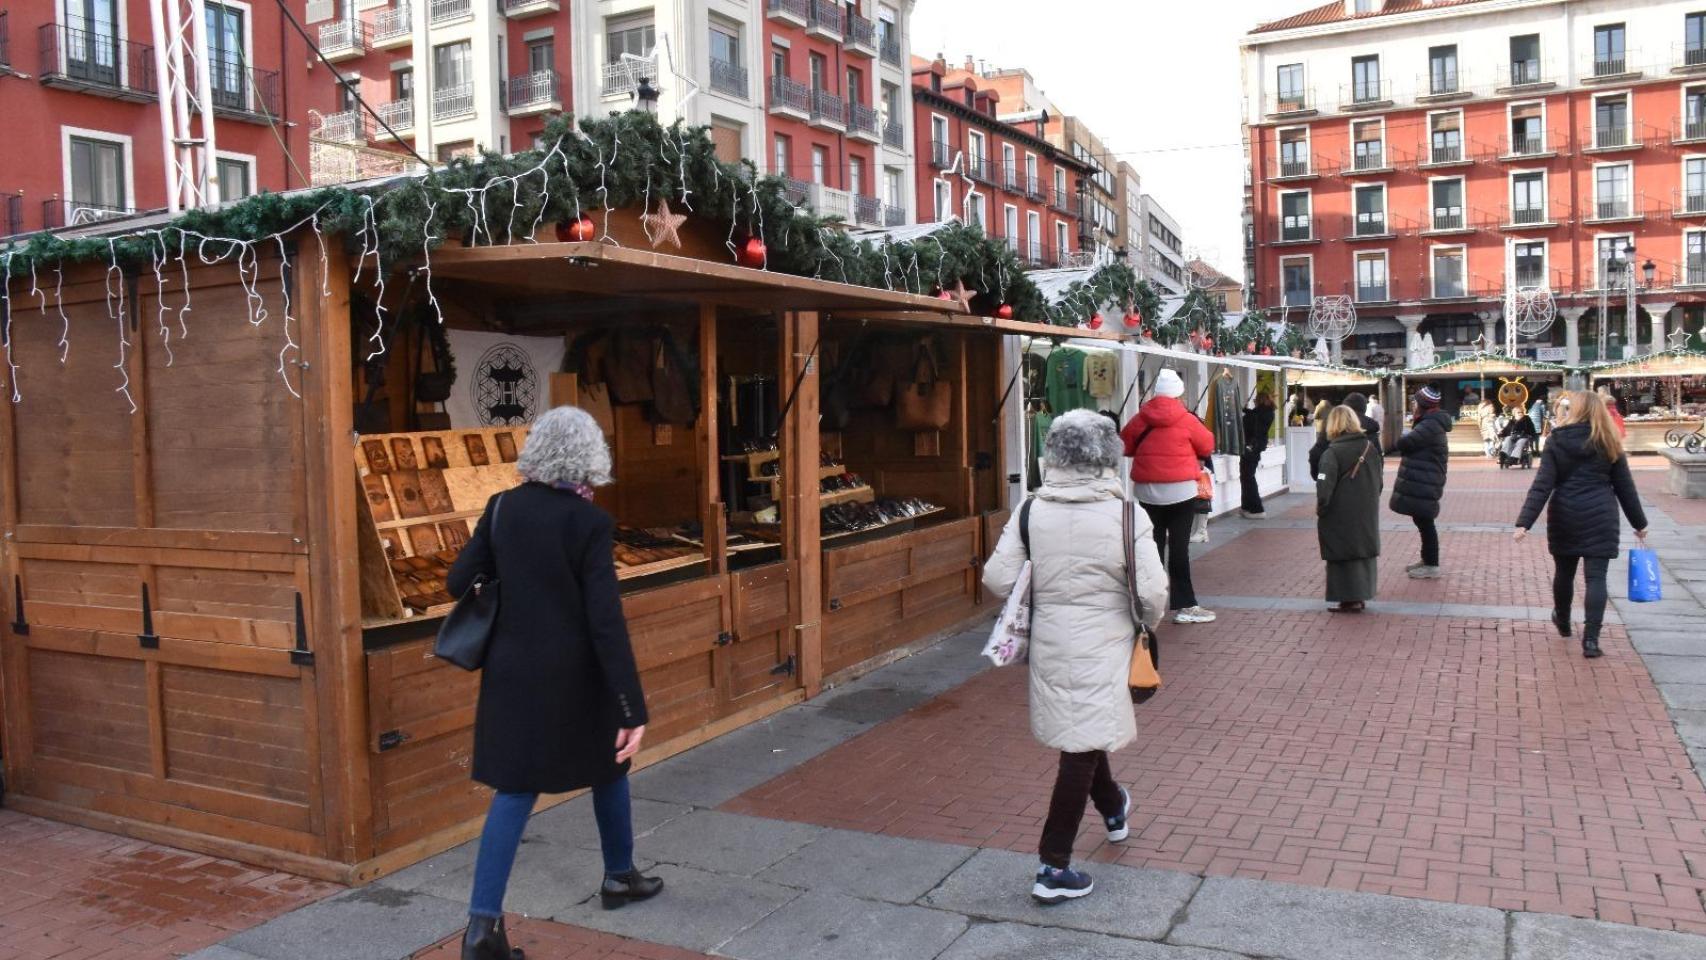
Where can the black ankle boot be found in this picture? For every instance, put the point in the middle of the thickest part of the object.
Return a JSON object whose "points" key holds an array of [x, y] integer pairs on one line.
{"points": [[1561, 620], [1590, 648], [486, 940], [622, 888]]}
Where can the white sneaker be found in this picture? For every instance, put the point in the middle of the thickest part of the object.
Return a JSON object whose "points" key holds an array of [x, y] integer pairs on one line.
{"points": [[1119, 828], [1193, 615]]}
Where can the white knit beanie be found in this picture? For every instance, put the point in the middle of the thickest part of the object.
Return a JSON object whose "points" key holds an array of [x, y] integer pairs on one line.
{"points": [[1168, 384]]}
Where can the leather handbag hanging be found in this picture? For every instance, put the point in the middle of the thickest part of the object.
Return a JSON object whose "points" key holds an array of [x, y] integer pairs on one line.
{"points": [[1143, 677], [927, 403], [466, 634]]}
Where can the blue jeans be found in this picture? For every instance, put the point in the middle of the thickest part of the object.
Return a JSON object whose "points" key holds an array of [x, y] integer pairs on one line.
{"points": [[506, 820]]}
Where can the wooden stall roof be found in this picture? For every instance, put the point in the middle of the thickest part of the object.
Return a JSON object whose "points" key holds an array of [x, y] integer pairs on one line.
{"points": [[1486, 365], [603, 268], [1672, 363]]}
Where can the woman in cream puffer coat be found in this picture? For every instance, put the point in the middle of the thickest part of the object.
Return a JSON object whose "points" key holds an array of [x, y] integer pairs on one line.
{"points": [[1081, 629]]}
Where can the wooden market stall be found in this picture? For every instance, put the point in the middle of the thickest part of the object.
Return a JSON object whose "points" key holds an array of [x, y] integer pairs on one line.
{"points": [[223, 597], [1479, 374], [1664, 397]]}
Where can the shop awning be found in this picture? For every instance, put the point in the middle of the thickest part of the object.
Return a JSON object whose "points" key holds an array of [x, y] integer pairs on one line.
{"points": [[1488, 365], [1322, 377], [1672, 363]]}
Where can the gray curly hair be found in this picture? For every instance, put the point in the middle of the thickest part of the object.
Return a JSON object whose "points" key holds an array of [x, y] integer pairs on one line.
{"points": [[1082, 440], [565, 447]]}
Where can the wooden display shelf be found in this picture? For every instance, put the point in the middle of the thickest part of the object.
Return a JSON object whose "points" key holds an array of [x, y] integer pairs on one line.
{"points": [[752, 460], [854, 495], [892, 526]]}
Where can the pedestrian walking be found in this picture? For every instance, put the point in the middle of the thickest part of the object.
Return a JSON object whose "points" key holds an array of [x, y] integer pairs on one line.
{"points": [[1318, 417], [1376, 411], [1487, 419], [1167, 444], [1358, 403], [1582, 481], [1421, 476], [1613, 407], [1258, 423], [560, 705], [1347, 510], [1082, 631]]}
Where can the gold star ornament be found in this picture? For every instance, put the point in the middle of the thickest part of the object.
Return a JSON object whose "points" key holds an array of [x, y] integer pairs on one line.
{"points": [[663, 226]]}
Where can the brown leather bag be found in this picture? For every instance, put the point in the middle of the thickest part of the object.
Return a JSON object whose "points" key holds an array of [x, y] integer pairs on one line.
{"points": [[927, 403]]}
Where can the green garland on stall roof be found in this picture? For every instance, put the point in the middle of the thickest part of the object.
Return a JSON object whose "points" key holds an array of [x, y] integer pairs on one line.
{"points": [[1293, 341], [598, 168], [1113, 285]]}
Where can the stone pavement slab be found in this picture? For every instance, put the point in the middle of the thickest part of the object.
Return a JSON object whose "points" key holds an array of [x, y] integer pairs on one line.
{"points": [[571, 823], [1667, 669], [1684, 696], [371, 923], [1017, 941], [1303, 923], [546, 940], [996, 885], [1537, 937], [1671, 643], [219, 951], [545, 881], [869, 865], [697, 910], [832, 926], [683, 781], [727, 843]]}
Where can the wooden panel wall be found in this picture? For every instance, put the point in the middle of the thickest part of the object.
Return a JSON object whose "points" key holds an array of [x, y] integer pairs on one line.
{"points": [[885, 594]]}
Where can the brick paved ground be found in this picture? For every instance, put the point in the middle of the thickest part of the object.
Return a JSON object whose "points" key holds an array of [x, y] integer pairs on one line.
{"points": [[546, 940], [1468, 760], [76, 894]]}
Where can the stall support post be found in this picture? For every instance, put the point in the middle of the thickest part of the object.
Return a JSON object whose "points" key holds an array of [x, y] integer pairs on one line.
{"points": [[800, 446], [14, 716], [1659, 311], [710, 463], [334, 600]]}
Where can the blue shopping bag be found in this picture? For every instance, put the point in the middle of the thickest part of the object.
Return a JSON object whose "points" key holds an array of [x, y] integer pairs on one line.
{"points": [[1644, 576]]}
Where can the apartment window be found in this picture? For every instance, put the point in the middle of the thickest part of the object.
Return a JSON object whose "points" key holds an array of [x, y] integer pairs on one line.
{"points": [[1031, 173], [820, 165], [727, 140], [452, 66], [1009, 166], [892, 188], [1694, 185], [346, 95], [1611, 121], [944, 200], [1529, 264], [939, 140], [1371, 277], [1294, 152], [1368, 146], [1371, 210], [1447, 203], [1367, 6], [855, 89], [891, 102], [816, 65], [888, 34], [727, 72], [1365, 79], [1528, 197], [1528, 129], [1010, 226], [1525, 59], [629, 36], [974, 150], [975, 211], [540, 58], [403, 84], [234, 179], [1694, 255], [1034, 235], [1294, 216], [782, 148], [1290, 87], [1608, 264], [778, 62], [1445, 143], [1609, 55], [1611, 190], [226, 55], [1060, 184], [1694, 39], [1442, 69], [1448, 273], [461, 149], [1694, 113], [91, 40], [1297, 276], [97, 175]]}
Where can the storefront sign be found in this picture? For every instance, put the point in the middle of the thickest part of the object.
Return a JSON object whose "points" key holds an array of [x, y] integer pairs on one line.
{"points": [[1552, 354], [501, 380]]}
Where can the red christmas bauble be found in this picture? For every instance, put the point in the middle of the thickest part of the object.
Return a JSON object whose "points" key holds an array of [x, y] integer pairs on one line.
{"points": [[1095, 321], [1134, 319], [1250, 347], [577, 231], [1208, 343], [1004, 312], [944, 295], [1267, 351], [753, 253]]}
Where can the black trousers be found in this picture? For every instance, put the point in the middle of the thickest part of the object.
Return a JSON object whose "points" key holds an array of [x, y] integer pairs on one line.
{"points": [[1564, 590], [1430, 540], [1252, 494], [1083, 777], [1173, 538]]}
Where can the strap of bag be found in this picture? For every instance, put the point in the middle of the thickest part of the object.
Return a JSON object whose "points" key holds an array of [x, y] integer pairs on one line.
{"points": [[1025, 525], [1366, 447], [1128, 526], [1139, 441]]}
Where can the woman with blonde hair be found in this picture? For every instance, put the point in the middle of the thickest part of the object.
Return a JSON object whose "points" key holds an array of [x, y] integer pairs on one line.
{"points": [[1585, 477], [1347, 510]]}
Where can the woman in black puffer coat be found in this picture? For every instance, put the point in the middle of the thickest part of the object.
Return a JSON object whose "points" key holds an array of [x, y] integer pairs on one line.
{"points": [[1586, 477], [1421, 477]]}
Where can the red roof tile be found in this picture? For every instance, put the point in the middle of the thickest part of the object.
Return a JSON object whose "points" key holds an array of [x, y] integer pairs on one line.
{"points": [[1335, 12]]}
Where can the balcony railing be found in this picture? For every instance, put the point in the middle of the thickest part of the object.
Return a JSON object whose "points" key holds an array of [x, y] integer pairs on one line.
{"points": [[1365, 93], [1448, 219], [1694, 271], [795, 191], [453, 101], [1608, 66], [1369, 224], [399, 115], [828, 109], [1689, 202], [894, 135], [57, 213], [1296, 229], [12, 214], [729, 78], [1439, 153], [940, 154], [860, 35], [1526, 73], [623, 77], [1613, 208], [790, 95], [981, 169], [1689, 128], [6, 50], [1373, 293], [894, 215], [799, 11], [867, 211], [1528, 277], [533, 92], [1065, 201], [1527, 215], [96, 62], [350, 126], [233, 93], [1612, 137], [343, 39], [517, 9], [1296, 102], [1449, 288], [825, 19], [392, 26], [1441, 83], [444, 11], [1527, 145], [1370, 157], [890, 50], [1293, 168], [1035, 190], [1690, 56]]}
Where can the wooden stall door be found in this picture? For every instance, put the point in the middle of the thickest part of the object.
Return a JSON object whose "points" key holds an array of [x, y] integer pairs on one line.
{"points": [[761, 651], [882, 595], [154, 509]]}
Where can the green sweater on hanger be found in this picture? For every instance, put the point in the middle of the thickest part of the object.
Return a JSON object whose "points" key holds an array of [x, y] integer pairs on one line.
{"points": [[1065, 389]]}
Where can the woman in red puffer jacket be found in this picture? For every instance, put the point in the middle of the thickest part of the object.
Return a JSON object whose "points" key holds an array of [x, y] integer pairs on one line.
{"points": [[1167, 444]]}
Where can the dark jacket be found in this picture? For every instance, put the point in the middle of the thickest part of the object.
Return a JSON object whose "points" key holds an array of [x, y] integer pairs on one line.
{"points": [[1421, 474], [1370, 429], [1258, 423], [1585, 490], [1520, 426], [1347, 499], [559, 678]]}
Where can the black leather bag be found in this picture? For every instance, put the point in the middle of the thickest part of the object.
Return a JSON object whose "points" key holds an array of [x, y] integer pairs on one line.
{"points": [[467, 632]]}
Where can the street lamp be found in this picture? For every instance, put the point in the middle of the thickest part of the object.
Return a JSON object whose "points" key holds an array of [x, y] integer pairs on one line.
{"points": [[646, 95], [1648, 271], [1622, 272]]}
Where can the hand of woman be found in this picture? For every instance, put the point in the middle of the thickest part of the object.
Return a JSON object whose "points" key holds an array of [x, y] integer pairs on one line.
{"points": [[628, 742], [1641, 535], [1520, 535]]}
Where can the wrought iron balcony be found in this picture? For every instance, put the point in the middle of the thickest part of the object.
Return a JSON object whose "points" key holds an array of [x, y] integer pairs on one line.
{"points": [[890, 51], [1528, 277], [1526, 73], [1694, 271], [1374, 292], [1449, 288], [1613, 208], [1297, 101], [862, 123], [1618, 136], [1442, 83], [1525, 145], [1296, 229], [797, 12], [824, 19], [350, 126], [867, 211], [894, 135], [1689, 129], [828, 110], [1448, 218], [12, 214], [449, 103], [860, 35], [791, 97], [1369, 156], [1689, 57], [622, 77], [234, 94], [531, 93], [518, 9], [445, 11], [1295, 168], [1368, 93], [1527, 215], [399, 115], [96, 63], [1066, 201], [1034, 189], [980, 168], [729, 78], [1689, 202], [59, 212], [6, 49], [1609, 66], [1442, 153], [893, 215], [795, 191], [393, 27], [343, 39], [941, 155], [1369, 223]]}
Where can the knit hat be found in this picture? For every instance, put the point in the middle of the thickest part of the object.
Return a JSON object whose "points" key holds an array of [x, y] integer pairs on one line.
{"points": [[1427, 397], [1357, 402], [1168, 384]]}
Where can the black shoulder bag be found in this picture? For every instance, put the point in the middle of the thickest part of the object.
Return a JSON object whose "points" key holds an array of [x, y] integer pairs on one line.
{"points": [[467, 632]]}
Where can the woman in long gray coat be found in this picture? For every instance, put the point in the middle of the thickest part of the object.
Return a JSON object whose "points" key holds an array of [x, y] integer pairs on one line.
{"points": [[1347, 510], [1082, 632]]}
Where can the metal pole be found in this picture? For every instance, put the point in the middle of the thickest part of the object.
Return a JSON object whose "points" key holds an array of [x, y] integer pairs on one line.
{"points": [[206, 179], [1629, 329], [168, 138]]}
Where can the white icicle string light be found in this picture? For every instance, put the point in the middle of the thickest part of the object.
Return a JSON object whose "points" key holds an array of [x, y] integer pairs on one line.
{"points": [[6, 295], [184, 271], [426, 260], [290, 343], [158, 253], [123, 365], [64, 343], [35, 289], [365, 231], [325, 281]]}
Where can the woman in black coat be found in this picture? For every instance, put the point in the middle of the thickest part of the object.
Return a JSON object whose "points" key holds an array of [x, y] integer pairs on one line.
{"points": [[560, 704], [1258, 423], [1421, 477], [1585, 476], [1347, 510]]}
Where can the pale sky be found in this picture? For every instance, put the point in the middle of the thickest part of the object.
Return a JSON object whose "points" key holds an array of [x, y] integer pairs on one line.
{"points": [[1157, 80]]}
